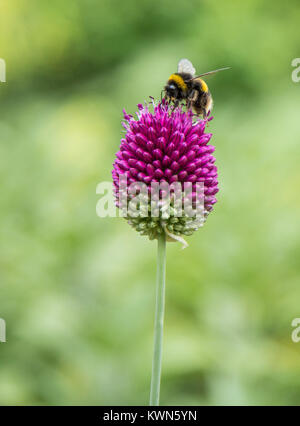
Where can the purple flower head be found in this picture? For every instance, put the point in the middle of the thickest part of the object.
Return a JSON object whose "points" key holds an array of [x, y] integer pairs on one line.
{"points": [[165, 147]]}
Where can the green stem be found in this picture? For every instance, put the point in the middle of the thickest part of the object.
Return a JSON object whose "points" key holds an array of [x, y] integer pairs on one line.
{"points": [[159, 319]]}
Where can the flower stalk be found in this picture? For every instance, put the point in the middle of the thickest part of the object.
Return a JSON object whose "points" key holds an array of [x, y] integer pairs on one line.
{"points": [[159, 319]]}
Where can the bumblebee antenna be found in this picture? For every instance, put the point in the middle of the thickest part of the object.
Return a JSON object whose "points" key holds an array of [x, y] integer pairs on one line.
{"points": [[211, 72]]}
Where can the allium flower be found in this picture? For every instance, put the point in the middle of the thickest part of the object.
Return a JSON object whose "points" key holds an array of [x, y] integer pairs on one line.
{"points": [[166, 146], [162, 160]]}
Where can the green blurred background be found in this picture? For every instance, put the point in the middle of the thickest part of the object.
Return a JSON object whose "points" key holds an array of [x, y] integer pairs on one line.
{"points": [[77, 291]]}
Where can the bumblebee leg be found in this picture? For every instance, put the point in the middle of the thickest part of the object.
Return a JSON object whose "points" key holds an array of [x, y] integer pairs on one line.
{"points": [[204, 115], [188, 103], [176, 103], [200, 112]]}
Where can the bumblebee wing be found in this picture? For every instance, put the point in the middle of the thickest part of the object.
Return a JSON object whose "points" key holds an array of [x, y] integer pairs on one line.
{"points": [[184, 65], [211, 72]]}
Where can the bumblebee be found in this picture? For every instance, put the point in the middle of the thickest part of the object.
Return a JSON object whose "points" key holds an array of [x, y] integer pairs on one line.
{"points": [[186, 86]]}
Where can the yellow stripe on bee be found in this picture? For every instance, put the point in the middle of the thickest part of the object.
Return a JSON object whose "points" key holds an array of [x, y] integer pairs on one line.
{"points": [[203, 85], [179, 81]]}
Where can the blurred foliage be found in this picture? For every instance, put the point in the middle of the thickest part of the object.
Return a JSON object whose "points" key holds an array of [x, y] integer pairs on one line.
{"points": [[77, 292]]}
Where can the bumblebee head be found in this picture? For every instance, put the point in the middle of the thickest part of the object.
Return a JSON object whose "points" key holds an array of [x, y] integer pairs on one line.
{"points": [[171, 90]]}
